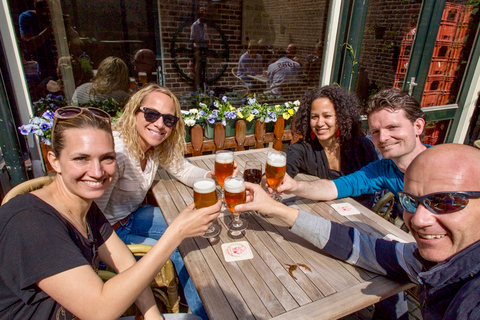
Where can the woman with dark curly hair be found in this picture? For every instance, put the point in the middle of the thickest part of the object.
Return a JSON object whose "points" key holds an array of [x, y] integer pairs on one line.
{"points": [[333, 143]]}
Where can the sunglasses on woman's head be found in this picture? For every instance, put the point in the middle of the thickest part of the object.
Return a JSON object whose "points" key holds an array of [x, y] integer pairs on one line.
{"points": [[438, 202], [72, 112], [152, 115]]}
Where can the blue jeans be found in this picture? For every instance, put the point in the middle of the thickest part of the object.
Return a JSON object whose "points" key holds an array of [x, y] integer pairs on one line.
{"points": [[145, 226]]}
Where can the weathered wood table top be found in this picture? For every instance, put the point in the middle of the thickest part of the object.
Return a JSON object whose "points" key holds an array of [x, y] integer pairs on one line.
{"points": [[263, 287]]}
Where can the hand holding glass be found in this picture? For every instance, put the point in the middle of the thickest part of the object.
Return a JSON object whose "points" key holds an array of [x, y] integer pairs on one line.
{"points": [[275, 171], [205, 195], [234, 195]]}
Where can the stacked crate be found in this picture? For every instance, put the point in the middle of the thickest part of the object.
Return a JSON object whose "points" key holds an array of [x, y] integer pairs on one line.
{"points": [[446, 54]]}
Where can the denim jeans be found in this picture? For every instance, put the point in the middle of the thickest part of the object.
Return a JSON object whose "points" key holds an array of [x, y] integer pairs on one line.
{"points": [[145, 226]]}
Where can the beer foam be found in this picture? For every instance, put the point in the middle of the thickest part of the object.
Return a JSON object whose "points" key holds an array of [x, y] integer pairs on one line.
{"points": [[277, 160], [224, 157], [204, 186], [234, 185]]}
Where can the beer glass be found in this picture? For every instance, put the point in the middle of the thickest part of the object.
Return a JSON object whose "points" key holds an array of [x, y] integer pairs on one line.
{"points": [[142, 76], [275, 170], [205, 195], [223, 166], [235, 194]]}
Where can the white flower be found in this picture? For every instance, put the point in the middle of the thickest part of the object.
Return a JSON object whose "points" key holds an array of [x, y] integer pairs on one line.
{"points": [[296, 102], [193, 111], [190, 122]]}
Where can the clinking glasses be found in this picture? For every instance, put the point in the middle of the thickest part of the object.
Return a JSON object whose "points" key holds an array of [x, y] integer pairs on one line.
{"points": [[152, 115], [438, 202]]}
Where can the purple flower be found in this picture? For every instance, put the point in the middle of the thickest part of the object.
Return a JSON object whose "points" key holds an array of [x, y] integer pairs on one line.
{"points": [[215, 113], [251, 101], [49, 115], [45, 126], [46, 141], [211, 119], [271, 116], [216, 104], [230, 114], [202, 113], [26, 129], [224, 123], [255, 111], [224, 99]]}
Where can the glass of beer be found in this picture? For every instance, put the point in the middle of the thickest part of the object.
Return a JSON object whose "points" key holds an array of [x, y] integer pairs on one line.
{"points": [[223, 166], [275, 170], [205, 195], [235, 194], [142, 76]]}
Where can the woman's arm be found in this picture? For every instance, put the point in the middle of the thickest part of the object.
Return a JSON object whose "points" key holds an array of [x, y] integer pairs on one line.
{"points": [[80, 287]]}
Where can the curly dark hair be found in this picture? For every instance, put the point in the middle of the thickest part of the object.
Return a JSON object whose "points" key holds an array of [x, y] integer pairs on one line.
{"points": [[347, 109]]}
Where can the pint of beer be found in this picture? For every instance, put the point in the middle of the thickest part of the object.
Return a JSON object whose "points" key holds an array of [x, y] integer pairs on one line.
{"points": [[204, 193], [234, 193], [223, 165], [275, 168], [142, 76]]}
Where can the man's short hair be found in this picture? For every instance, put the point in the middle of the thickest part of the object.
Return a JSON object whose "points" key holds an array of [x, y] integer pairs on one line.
{"points": [[395, 99]]}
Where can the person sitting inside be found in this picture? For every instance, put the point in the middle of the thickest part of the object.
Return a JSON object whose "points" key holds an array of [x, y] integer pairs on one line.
{"points": [[250, 63], [283, 71], [333, 143], [144, 65], [442, 211], [54, 236], [111, 81]]}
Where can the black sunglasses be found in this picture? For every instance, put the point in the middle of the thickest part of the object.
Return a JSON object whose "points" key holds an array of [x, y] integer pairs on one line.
{"points": [[438, 202], [152, 115]]}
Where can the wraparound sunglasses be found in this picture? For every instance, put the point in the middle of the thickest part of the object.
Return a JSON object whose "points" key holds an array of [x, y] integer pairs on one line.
{"points": [[438, 202]]}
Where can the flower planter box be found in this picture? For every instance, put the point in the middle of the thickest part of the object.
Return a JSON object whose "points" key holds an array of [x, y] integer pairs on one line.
{"points": [[188, 137], [288, 123], [208, 130], [251, 126], [230, 128]]}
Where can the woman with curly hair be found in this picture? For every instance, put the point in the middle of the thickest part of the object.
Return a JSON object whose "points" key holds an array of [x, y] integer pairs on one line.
{"points": [[149, 135], [111, 81], [333, 143]]}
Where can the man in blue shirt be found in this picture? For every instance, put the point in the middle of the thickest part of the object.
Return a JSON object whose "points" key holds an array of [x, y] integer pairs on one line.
{"points": [[396, 123]]}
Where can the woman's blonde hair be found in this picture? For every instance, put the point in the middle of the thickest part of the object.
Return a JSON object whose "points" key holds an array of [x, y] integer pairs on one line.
{"points": [[112, 75], [169, 151]]}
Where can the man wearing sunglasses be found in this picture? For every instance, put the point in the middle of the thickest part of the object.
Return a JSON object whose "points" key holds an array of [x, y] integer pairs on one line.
{"points": [[441, 205]]}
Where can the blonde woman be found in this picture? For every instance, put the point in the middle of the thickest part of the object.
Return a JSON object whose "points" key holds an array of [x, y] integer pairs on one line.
{"points": [[149, 135], [111, 81]]}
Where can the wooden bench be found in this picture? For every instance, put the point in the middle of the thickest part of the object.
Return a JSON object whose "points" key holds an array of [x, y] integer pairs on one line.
{"points": [[241, 141]]}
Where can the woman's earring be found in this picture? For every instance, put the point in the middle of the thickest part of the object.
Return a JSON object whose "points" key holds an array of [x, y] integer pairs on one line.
{"points": [[312, 135], [337, 134]]}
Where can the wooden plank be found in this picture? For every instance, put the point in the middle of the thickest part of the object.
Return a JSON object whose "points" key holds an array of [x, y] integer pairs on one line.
{"points": [[347, 301]]}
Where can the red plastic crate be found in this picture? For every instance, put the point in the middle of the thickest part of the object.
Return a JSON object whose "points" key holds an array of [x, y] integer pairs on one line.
{"points": [[430, 99], [402, 64], [447, 32], [452, 12], [447, 83], [410, 34], [438, 66], [461, 33], [443, 99], [452, 67], [406, 47], [455, 50], [434, 83], [441, 49], [466, 13]]}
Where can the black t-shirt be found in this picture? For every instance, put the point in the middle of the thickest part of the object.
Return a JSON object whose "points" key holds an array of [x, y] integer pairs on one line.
{"points": [[36, 242], [310, 158]]}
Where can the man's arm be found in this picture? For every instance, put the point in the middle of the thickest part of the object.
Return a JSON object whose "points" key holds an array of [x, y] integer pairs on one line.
{"points": [[321, 189]]}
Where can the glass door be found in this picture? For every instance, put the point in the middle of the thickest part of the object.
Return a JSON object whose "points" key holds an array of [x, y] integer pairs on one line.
{"points": [[421, 47]]}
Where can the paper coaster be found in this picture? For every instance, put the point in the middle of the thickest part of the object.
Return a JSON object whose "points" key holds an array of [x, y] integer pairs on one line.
{"points": [[345, 208], [235, 251]]}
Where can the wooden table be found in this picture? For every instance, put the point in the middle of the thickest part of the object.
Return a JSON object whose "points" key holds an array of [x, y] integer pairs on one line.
{"points": [[262, 288]]}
